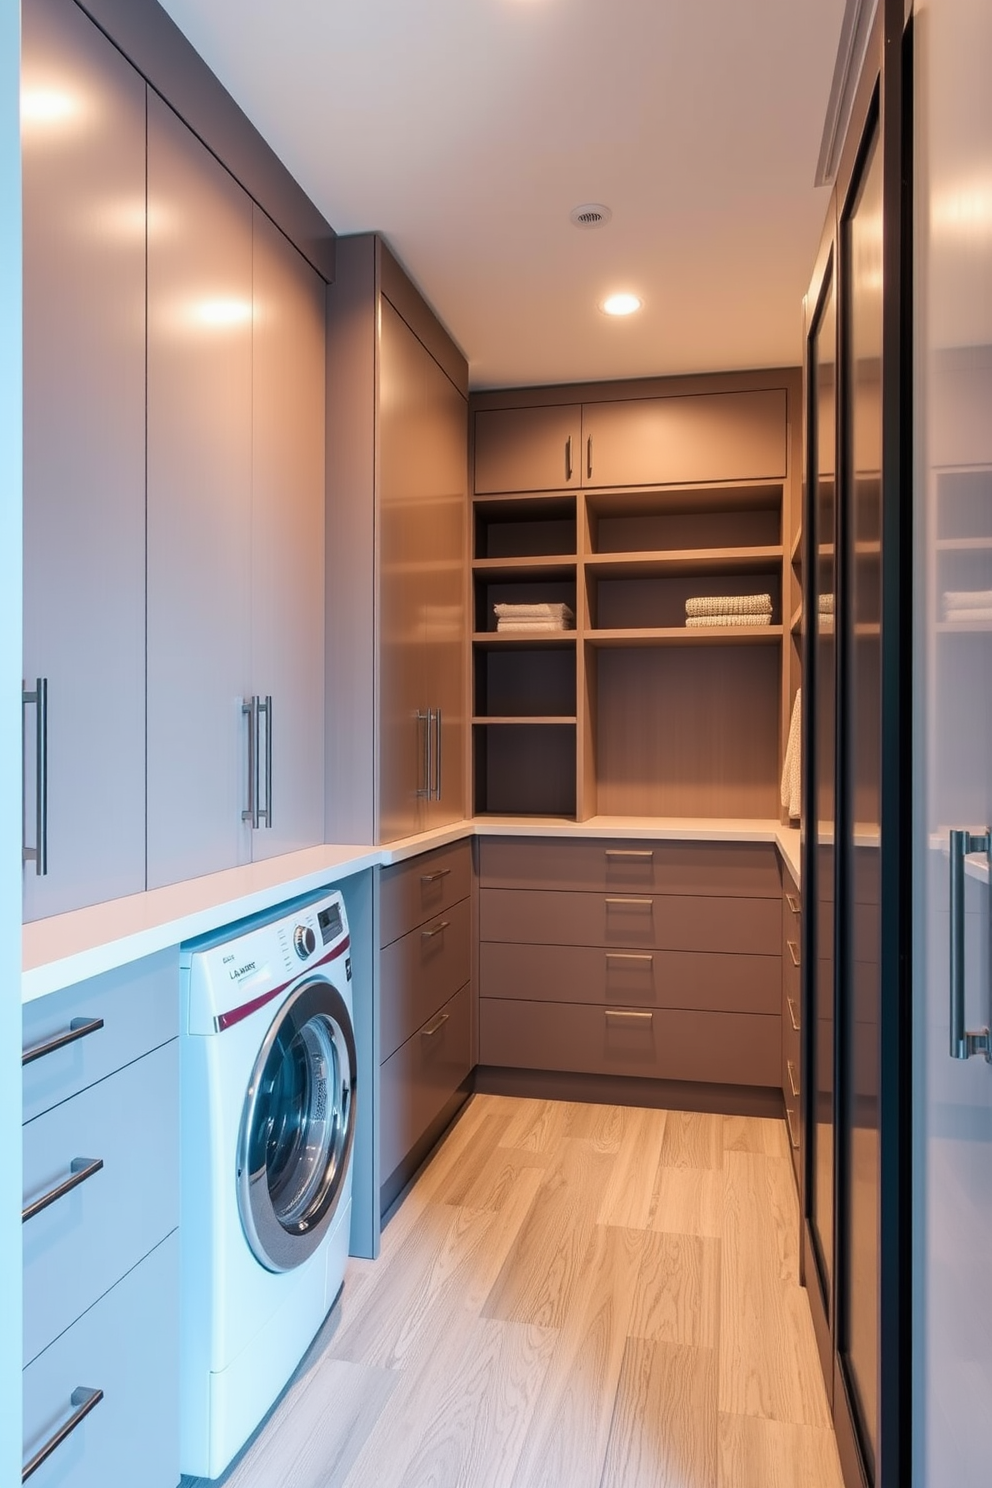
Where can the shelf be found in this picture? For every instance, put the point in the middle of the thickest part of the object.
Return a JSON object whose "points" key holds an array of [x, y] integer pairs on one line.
{"points": [[681, 635], [530, 570], [492, 640], [795, 625], [551, 719], [686, 561]]}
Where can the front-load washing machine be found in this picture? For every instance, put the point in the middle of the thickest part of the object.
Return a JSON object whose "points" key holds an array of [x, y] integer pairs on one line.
{"points": [[267, 1061]]}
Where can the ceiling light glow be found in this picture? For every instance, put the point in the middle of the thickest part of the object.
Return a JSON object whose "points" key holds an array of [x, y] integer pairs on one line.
{"points": [[621, 304]]}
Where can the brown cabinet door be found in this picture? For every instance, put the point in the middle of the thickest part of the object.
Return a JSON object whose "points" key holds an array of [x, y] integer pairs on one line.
{"points": [[681, 441], [527, 449]]}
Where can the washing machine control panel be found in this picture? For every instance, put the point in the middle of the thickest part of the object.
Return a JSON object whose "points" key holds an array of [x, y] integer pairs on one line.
{"points": [[304, 941]]}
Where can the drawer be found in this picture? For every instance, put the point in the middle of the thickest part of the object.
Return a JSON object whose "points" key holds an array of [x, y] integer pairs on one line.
{"points": [[682, 923], [728, 1048], [629, 866], [417, 1081], [411, 892], [76, 1248], [674, 979], [420, 971], [128, 1347], [139, 1006]]}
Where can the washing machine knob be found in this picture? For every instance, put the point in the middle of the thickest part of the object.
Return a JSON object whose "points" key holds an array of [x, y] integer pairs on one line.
{"points": [[304, 940]]}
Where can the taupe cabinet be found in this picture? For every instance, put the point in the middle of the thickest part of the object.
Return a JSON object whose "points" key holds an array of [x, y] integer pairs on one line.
{"points": [[84, 463], [792, 1014], [235, 522]]}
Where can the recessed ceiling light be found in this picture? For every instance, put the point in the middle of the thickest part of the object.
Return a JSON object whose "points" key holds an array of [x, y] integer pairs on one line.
{"points": [[621, 304], [590, 214]]}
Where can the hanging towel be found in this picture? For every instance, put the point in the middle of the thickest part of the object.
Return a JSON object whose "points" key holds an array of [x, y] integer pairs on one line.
{"points": [[791, 769], [700, 622], [729, 604]]}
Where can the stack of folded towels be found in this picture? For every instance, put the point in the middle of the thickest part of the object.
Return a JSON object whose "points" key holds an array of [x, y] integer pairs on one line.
{"points": [[968, 604], [533, 619], [825, 606], [729, 609]]}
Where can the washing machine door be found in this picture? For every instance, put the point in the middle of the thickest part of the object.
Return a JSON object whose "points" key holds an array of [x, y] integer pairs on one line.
{"points": [[297, 1127]]}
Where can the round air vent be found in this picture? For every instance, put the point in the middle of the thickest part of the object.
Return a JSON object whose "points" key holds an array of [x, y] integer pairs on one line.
{"points": [[590, 214]]}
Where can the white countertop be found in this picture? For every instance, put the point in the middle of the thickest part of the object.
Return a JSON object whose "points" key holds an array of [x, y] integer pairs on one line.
{"points": [[65, 949]]}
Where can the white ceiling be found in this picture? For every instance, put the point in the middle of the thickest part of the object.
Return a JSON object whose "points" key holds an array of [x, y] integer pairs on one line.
{"points": [[466, 130]]}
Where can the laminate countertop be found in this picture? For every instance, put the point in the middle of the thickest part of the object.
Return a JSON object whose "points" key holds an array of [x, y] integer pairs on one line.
{"points": [[68, 948]]}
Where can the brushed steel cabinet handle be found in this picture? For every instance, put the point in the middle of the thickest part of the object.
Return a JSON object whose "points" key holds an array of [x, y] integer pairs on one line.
{"points": [[424, 735], [963, 1045], [38, 855], [437, 929], [437, 754], [793, 1082], [630, 852], [80, 1169], [642, 958], [568, 458], [429, 878], [249, 710], [793, 903], [589, 458], [436, 1026], [619, 1016], [79, 1028], [84, 1399], [265, 812], [793, 951], [792, 1131], [629, 903], [793, 1015]]}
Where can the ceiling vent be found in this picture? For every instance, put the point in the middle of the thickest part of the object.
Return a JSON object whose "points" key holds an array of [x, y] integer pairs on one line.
{"points": [[590, 214]]}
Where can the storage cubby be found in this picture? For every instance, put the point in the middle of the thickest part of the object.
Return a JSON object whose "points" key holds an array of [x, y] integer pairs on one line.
{"points": [[525, 683], [642, 599], [554, 588], [525, 769], [685, 520], [516, 527]]}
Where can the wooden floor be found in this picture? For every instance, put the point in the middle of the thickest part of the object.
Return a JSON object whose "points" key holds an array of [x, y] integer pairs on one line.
{"points": [[571, 1296]]}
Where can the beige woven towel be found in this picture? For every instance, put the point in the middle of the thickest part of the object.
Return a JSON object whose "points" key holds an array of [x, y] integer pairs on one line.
{"points": [[791, 793], [729, 604]]}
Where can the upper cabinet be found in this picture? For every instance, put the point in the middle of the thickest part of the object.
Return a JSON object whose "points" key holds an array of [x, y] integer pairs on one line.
{"points": [[675, 440], [84, 464]]}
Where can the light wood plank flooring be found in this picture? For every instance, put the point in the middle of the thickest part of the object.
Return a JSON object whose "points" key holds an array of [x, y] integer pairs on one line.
{"points": [[570, 1296]]}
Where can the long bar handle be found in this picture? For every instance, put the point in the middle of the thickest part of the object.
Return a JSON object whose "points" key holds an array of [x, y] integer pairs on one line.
{"points": [[630, 903], [436, 1026], [437, 754], [568, 459], [589, 458], [630, 852], [424, 791], [792, 1131], [79, 1028], [80, 1169], [84, 1399], [793, 1082], [250, 711], [429, 878], [793, 903], [963, 1045], [38, 855], [617, 1017], [793, 951], [643, 958], [437, 929], [266, 708], [793, 1015]]}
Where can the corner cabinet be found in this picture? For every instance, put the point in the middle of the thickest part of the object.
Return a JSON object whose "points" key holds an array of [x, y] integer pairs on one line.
{"points": [[396, 602]]}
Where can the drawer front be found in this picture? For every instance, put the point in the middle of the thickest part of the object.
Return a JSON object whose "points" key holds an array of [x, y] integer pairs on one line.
{"points": [[723, 869], [419, 1078], [422, 970], [629, 921], [139, 1006], [127, 1346], [672, 979], [81, 1244], [726, 1048], [411, 892]]}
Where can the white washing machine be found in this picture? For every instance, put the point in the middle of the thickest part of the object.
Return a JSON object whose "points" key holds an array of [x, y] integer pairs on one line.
{"points": [[267, 1059]]}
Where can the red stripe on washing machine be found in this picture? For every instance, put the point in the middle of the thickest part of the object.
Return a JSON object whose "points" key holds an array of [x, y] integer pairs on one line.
{"points": [[236, 1015]]}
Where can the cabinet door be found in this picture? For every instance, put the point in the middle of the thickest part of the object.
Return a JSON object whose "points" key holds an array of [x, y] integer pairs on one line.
{"points": [[84, 455], [527, 449], [287, 584], [199, 505], [680, 441]]}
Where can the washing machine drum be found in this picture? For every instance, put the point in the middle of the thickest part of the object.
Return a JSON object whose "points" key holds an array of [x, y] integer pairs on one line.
{"points": [[298, 1127]]}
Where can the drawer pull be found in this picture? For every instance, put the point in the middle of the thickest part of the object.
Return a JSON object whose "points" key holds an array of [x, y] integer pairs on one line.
{"points": [[793, 1082], [437, 929], [793, 1015], [78, 1028], [630, 903], [793, 903], [622, 1015], [630, 852], [84, 1401], [80, 1169], [429, 878], [642, 958], [436, 1026], [792, 1131], [793, 951]]}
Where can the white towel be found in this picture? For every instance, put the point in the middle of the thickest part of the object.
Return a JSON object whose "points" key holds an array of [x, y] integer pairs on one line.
{"points": [[533, 612], [968, 599], [729, 604], [792, 768], [701, 622], [534, 627], [959, 616]]}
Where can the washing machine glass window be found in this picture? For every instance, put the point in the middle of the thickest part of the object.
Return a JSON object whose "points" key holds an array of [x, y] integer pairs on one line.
{"points": [[297, 1127]]}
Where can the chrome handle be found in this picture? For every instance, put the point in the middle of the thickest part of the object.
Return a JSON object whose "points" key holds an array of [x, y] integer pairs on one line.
{"points": [[266, 708], [250, 711], [642, 957], [437, 930], [589, 458], [792, 1131], [631, 903], [963, 1044], [630, 852], [793, 951], [38, 855], [429, 878], [793, 903], [79, 1028], [437, 754], [623, 1015], [568, 458], [85, 1400], [793, 1015], [81, 1168], [793, 1083], [436, 1026], [424, 733]]}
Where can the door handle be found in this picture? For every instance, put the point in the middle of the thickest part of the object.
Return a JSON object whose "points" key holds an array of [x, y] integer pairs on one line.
{"points": [[792, 1131], [264, 812], [429, 878], [793, 1082], [249, 710], [79, 1028], [80, 1169], [621, 903], [643, 853], [964, 1045], [568, 459], [38, 855], [793, 951], [793, 903], [436, 1026], [589, 458], [436, 784], [437, 929], [618, 1017], [793, 1016], [424, 735], [83, 1399], [644, 959]]}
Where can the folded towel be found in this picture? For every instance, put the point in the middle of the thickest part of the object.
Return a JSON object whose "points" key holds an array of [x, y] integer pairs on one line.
{"points": [[792, 768], [700, 622], [958, 616], [825, 604], [533, 612], [968, 599], [534, 627], [729, 604]]}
